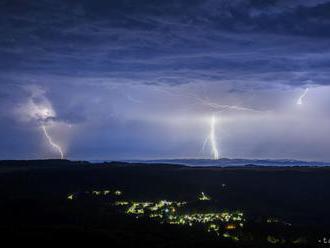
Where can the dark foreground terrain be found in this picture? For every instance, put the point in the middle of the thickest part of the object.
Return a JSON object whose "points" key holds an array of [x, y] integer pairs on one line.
{"points": [[135, 205]]}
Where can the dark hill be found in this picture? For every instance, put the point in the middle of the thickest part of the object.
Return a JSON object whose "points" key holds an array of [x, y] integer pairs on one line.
{"points": [[33, 193]]}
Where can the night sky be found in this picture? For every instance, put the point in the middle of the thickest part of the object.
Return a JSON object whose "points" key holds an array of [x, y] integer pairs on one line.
{"points": [[132, 79]]}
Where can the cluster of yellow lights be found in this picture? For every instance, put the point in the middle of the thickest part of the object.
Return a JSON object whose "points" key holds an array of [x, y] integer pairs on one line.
{"points": [[170, 212], [230, 236], [71, 196], [106, 192], [118, 192], [163, 206], [227, 224], [204, 218], [121, 203], [204, 197]]}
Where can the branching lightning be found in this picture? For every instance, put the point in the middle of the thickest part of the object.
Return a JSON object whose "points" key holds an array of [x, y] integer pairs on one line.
{"points": [[212, 138], [38, 110], [215, 108], [210, 104], [300, 99], [51, 142]]}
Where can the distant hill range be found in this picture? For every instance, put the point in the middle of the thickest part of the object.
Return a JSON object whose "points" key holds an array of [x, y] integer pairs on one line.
{"points": [[225, 162]]}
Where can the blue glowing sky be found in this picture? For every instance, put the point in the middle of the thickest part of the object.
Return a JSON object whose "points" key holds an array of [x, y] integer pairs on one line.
{"points": [[141, 79]]}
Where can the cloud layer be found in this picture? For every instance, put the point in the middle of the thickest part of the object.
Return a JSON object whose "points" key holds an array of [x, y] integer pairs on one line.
{"points": [[131, 78]]}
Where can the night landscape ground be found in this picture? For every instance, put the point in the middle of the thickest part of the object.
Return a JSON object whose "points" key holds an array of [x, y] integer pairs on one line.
{"points": [[143, 205]]}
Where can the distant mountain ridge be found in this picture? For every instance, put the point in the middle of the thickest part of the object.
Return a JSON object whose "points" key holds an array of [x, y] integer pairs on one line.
{"points": [[224, 162]]}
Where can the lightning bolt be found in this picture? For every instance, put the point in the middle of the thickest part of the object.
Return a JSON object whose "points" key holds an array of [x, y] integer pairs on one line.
{"points": [[300, 99], [212, 137], [216, 108], [206, 102], [51, 142]]}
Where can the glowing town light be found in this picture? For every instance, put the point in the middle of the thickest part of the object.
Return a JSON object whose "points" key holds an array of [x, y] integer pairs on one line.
{"points": [[230, 227], [70, 197], [300, 99], [51, 142], [118, 192], [212, 138], [204, 197]]}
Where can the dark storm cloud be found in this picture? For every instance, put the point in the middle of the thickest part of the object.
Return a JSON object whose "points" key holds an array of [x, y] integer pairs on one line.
{"points": [[88, 59], [148, 40]]}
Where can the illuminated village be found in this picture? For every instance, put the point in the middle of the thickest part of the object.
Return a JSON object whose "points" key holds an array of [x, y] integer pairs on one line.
{"points": [[226, 224]]}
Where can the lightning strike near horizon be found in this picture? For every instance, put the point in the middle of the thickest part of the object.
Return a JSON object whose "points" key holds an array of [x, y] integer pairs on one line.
{"points": [[212, 138], [300, 99], [39, 110], [51, 142], [216, 108]]}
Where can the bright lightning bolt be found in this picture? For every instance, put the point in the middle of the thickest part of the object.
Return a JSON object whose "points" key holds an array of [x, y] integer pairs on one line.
{"points": [[300, 99], [39, 110], [216, 107], [208, 103], [212, 138], [56, 146]]}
